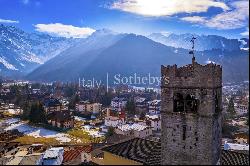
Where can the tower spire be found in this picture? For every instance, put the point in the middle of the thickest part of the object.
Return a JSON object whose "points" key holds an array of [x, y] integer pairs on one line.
{"points": [[192, 51]]}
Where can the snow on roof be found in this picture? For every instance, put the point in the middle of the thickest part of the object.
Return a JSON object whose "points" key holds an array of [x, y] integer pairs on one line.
{"points": [[154, 102], [232, 146], [117, 99], [153, 116], [52, 153], [135, 126], [53, 156], [140, 99]]}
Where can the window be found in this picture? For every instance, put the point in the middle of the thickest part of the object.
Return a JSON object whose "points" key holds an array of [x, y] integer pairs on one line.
{"points": [[217, 108], [191, 103], [187, 104], [178, 103]]}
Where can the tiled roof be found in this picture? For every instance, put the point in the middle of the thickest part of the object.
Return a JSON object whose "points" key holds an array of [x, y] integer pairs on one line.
{"points": [[234, 158], [73, 154], [140, 150], [52, 102], [149, 152]]}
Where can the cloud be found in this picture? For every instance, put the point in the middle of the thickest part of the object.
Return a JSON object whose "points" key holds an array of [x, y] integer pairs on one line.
{"points": [[246, 33], [237, 17], [157, 8], [62, 30], [8, 21], [25, 2]]}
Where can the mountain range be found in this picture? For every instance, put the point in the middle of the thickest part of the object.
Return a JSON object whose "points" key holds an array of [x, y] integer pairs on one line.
{"points": [[203, 42], [22, 52], [114, 53]]}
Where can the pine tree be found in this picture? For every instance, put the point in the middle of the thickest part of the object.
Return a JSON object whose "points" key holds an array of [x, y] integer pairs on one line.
{"points": [[37, 113], [130, 107], [231, 109], [26, 111]]}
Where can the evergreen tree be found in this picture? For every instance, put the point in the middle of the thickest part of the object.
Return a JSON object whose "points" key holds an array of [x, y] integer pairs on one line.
{"points": [[37, 113], [230, 108], [26, 111], [106, 99], [75, 99], [110, 132], [130, 107]]}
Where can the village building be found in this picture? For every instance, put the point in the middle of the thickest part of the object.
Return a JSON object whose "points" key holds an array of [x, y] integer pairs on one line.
{"points": [[154, 121], [52, 105], [77, 155], [114, 118], [52, 156], [134, 130], [86, 106], [154, 107], [118, 103], [61, 119]]}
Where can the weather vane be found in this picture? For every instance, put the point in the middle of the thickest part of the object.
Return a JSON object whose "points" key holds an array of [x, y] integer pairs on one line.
{"points": [[192, 51]]}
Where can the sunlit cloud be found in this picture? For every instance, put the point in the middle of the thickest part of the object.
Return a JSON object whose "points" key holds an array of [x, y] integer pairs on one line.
{"points": [[8, 21], [157, 8], [233, 19], [62, 30], [25, 2], [246, 33]]}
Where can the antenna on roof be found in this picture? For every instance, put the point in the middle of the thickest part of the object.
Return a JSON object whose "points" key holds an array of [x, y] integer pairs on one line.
{"points": [[192, 51]]}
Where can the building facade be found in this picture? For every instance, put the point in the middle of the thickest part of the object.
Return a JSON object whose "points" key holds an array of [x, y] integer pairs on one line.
{"points": [[86, 106], [134, 130], [191, 114]]}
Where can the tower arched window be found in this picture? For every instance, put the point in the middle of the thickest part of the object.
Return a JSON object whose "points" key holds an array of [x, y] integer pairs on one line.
{"points": [[178, 103], [191, 103]]}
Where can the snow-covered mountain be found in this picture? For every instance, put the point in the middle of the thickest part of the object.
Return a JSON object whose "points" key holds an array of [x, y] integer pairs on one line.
{"points": [[203, 42], [21, 52], [40, 57], [126, 54]]}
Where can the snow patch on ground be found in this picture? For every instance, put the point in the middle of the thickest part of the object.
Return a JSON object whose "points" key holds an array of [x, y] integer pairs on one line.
{"points": [[38, 131]]}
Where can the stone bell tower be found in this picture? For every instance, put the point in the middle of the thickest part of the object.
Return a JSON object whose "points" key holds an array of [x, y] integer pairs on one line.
{"points": [[191, 114]]}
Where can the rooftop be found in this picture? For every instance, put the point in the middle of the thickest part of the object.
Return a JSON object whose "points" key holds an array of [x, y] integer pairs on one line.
{"points": [[73, 154], [134, 126], [149, 152]]}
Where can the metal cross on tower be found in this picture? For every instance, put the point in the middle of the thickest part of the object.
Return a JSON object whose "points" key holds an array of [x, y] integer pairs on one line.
{"points": [[192, 51]]}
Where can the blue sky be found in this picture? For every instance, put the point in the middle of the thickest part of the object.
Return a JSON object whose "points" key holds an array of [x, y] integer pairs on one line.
{"points": [[80, 18]]}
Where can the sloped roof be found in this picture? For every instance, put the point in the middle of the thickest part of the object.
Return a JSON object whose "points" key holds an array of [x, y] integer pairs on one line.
{"points": [[73, 154], [52, 102], [149, 152], [140, 150], [234, 158]]}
